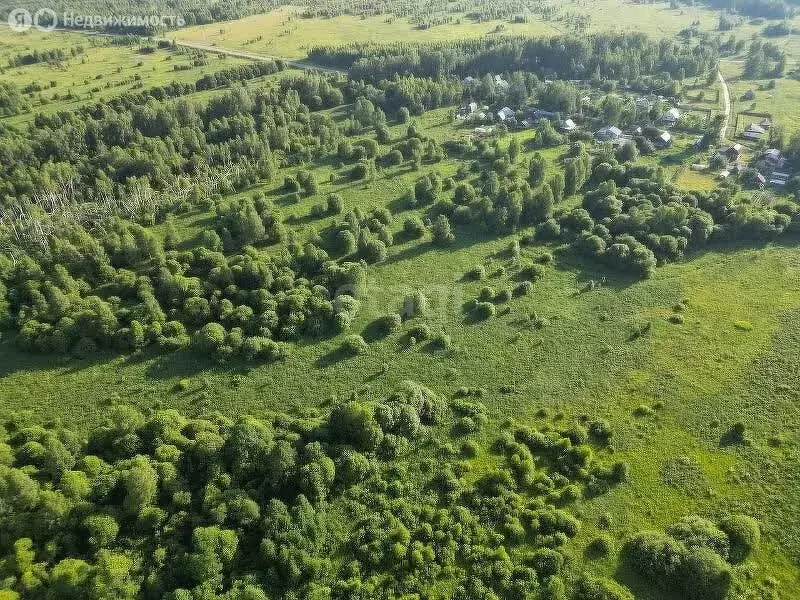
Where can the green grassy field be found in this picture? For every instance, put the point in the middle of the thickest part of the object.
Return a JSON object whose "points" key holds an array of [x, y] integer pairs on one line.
{"points": [[285, 33], [101, 71]]}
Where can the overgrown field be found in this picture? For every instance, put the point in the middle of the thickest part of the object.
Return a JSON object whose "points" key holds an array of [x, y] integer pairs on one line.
{"points": [[74, 70], [287, 34], [589, 369]]}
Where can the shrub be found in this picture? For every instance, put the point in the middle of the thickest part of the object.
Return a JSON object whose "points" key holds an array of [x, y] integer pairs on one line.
{"points": [[102, 529], [466, 425], [442, 340], [523, 288], [602, 545], [477, 272], [335, 204], [290, 184], [469, 449], [548, 230], [533, 272], [414, 227], [354, 344], [598, 588], [486, 294], [697, 532], [209, 338], [700, 573], [374, 251], [389, 323], [393, 158], [737, 433], [354, 423], [441, 234], [503, 295], [485, 310], [346, 242], [601, 431], [545, 562], [743, 534], [415, 305], [420, 331]]}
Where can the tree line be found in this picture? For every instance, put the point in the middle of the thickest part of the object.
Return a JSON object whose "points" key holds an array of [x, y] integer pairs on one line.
{"points": [[622, 56]]}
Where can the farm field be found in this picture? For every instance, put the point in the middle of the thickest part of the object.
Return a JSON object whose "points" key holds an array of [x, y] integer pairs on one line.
{"points": [[94, 70], [303, 335], [286, 34]]}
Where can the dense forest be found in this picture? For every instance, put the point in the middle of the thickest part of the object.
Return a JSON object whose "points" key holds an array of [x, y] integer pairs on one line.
{"points": [[627, 56], [374, 500]]}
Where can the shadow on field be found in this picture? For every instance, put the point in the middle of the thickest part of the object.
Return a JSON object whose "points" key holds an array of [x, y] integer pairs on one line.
{"points": [[374, 331], [464, 239], [332, 358]]}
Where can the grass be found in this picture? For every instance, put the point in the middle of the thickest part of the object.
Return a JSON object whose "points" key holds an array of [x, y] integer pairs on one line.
{"points": [[284, 33], [98, 73]]}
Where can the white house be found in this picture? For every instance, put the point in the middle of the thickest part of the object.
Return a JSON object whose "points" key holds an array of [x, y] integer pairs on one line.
{"points": [[663, 140], [670, 117], [567, 125], [607, 134], [504, 113]]}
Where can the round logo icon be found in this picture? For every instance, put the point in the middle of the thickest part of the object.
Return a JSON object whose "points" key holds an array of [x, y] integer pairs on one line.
{"points": [[20, 19], [45, 19]]}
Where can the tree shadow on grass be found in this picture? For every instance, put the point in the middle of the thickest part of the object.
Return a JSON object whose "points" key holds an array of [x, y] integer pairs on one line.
{"points": [[14, 360], [332, 358], [465, 238], [374, 331]]}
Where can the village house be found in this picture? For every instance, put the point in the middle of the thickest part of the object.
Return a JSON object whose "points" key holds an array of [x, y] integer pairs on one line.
{"points": [[607, 134], [642, 104], [732, 153], [754, 132], [664, 140], [670, 118], [778, 178], [505, 113], [467, 110], [501, 83], [773, 158], [539, 114], [567, 125]]}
